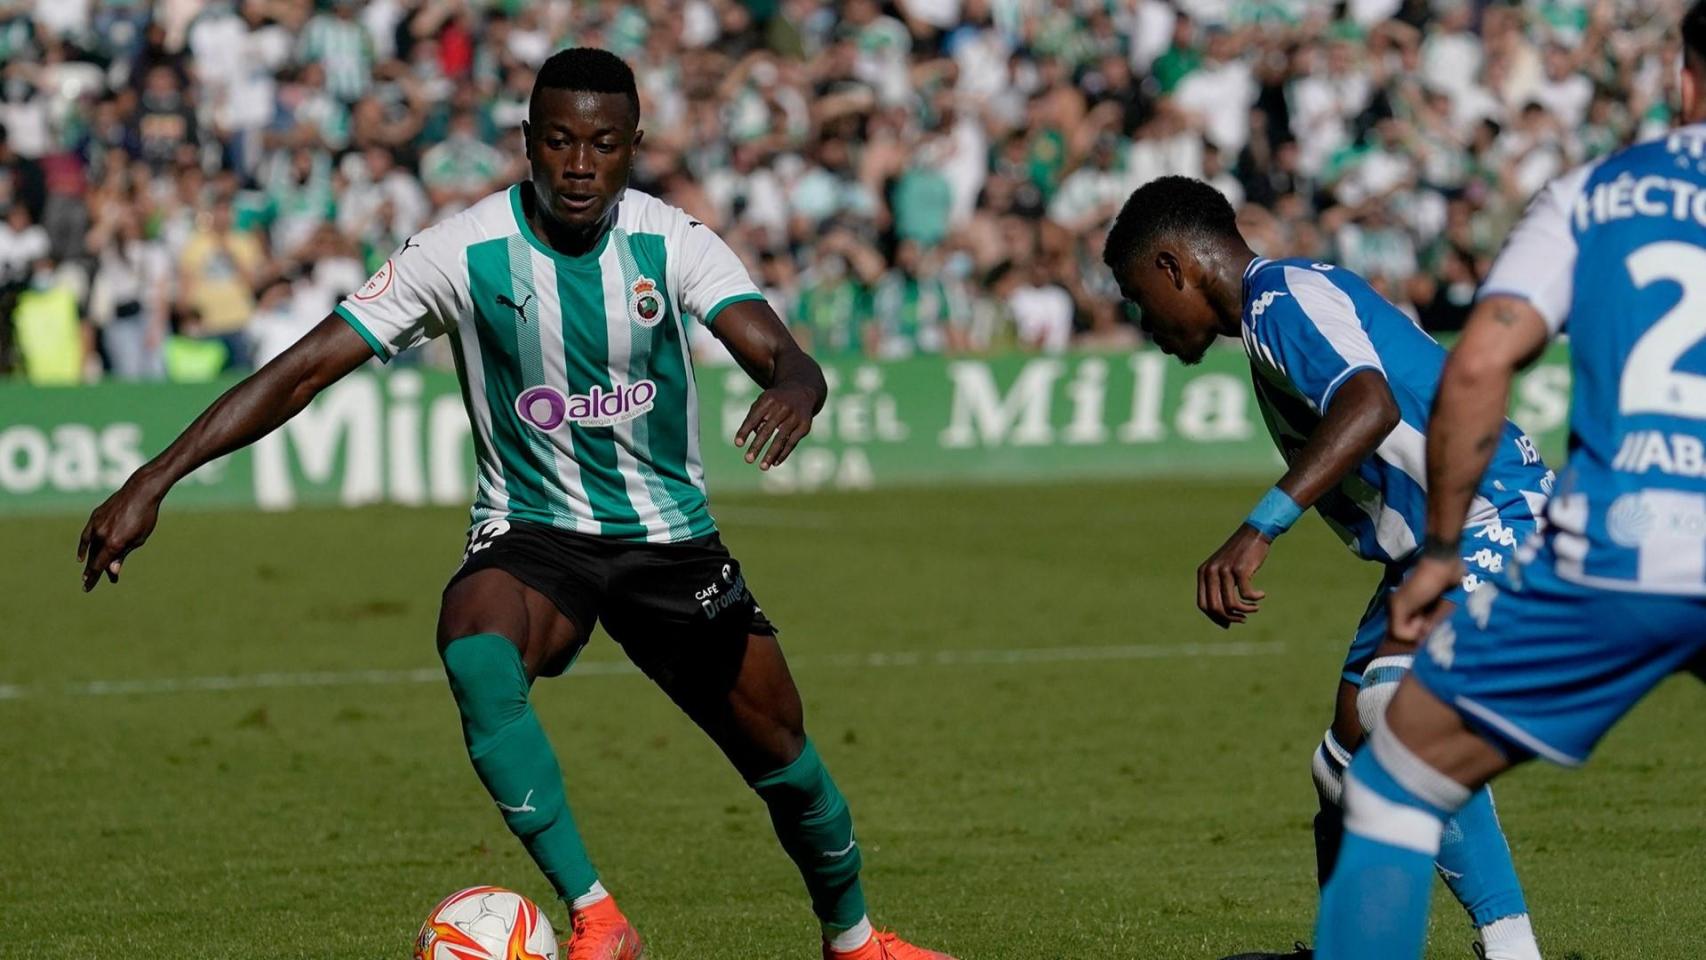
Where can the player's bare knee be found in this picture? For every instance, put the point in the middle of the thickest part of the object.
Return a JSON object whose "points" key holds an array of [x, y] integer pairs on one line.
{"points": [[775, 730], [790, 741], [770, 700], [1346, 728], [478, 604]]}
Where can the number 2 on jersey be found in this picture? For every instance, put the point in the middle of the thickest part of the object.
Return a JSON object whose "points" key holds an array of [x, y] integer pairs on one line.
{"points": [[1651, 382]]}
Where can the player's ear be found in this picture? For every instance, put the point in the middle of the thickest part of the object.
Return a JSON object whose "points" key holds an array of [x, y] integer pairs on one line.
{"points": [[1168, 263], [527, 138]]}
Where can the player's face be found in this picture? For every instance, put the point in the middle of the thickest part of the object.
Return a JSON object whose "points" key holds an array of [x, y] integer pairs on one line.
{"points": [[581, 148], [1177, 314]]}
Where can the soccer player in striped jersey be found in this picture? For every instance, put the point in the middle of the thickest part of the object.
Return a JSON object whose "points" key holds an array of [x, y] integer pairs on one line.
{"points": [[566, 301], [1344, 381], [1543, 660]]}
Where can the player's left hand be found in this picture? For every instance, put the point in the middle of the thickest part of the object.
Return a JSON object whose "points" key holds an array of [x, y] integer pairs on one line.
{"points": [[780, 418], [1224, 591], [1419, 604], [118, 526]]}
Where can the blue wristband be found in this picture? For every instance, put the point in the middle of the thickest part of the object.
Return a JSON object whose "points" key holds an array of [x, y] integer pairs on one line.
{"points": [[1275, 514]]}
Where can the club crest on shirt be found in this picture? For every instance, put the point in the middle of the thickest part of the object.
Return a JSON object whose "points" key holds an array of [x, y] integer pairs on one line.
{"points": [[376, 285], [645, 302]]}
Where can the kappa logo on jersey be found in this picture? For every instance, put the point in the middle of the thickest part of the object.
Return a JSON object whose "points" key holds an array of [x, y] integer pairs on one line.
{"points": [[376, 285], [1480, 604], [1497, 532], [1261, 304], [644, 303], [1442, 644], [547, 408]]}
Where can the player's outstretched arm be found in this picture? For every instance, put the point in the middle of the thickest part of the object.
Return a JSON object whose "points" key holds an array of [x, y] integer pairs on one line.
{"points": [[794, 388], [1359, 416], [1503, 335], [247, 412]]}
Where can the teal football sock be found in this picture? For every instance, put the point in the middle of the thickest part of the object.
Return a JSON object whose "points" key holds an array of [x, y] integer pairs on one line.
{"points": [[816, 829], [514, 759]]}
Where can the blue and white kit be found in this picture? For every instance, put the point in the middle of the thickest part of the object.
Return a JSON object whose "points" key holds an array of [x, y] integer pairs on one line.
{"points": [[1309, 327], [1614, 254]]}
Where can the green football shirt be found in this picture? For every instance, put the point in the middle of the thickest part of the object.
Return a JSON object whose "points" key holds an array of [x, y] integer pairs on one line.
{"points": [[575, 371]]}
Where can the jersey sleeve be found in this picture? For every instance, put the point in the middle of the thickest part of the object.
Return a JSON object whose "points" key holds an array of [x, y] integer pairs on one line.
{"points": [[1538, 262], [414, 297], [1310, 330], [709, 274]]}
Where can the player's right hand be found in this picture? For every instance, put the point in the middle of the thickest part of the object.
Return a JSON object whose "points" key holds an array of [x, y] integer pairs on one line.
{"points": [[1224, 591], [117, 527], [780, 417], [1419, 604]]}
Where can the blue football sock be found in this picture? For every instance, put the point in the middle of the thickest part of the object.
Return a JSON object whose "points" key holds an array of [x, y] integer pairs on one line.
{"points": [[1476, 862], [1376, 904], [1474, 858]]}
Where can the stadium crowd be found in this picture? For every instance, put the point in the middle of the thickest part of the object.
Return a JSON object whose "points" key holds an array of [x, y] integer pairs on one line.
{"points": [[187, 186]]}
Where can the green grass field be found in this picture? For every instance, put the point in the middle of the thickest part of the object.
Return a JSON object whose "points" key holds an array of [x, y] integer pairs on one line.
{"points": [[1048, 751]]}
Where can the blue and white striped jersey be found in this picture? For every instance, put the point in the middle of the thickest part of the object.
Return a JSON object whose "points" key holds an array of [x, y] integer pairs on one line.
{"points": [[1615, 252], [1308, 327]]}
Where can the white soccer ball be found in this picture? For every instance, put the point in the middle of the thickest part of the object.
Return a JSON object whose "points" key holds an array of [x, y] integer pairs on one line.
{"points": [[486, 923]]}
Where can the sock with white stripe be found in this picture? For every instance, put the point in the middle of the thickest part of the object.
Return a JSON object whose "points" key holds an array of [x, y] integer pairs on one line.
{"points": [[1328, 770], [850, 939], [1376, 904]]}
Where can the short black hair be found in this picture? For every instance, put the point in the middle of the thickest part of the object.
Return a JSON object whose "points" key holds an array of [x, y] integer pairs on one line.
{"points": [[587, 69], [1168, 206], [1694, 31]]}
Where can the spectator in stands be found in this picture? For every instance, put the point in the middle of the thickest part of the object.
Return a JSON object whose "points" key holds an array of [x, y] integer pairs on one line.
{"points": [[130, 295], [462, 168], [218, 271], [190, 355], [905, 175], [53, 342], [21, 181]]}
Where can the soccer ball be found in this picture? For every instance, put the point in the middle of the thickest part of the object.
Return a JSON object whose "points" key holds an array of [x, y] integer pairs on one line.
{"points": [[486, 923]]}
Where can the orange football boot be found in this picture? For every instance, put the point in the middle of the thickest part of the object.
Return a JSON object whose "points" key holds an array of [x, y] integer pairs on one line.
{"points": [[884, 945], [601, 932]]}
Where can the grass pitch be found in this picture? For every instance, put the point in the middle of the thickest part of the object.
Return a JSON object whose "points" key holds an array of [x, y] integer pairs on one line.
{"points": [[245, 749]]}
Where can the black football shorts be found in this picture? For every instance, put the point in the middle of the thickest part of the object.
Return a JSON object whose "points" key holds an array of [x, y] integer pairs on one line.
{"points": [[665, 603]]}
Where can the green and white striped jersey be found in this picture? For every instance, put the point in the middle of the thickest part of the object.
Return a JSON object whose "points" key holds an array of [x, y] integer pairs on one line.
{"points": [[575, 370]]}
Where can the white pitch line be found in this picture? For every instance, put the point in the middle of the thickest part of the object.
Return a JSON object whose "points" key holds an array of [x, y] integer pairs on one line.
{"points": [[609, 668]]}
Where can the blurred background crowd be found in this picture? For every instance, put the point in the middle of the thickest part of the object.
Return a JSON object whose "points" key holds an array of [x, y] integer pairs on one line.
{"points": [[187, 186]]}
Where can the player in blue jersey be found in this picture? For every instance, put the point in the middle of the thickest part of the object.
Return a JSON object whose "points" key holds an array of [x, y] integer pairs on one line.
{"points": [[1544, 660], [1344, 381]]}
